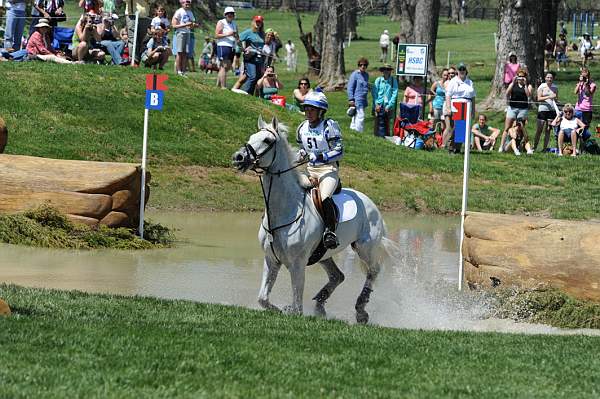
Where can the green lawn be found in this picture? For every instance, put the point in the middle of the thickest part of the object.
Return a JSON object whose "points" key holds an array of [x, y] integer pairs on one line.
{"points": [[70, 344]]}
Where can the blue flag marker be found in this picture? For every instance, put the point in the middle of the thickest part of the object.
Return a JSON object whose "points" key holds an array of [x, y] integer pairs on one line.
{"points": [[155, 99]]}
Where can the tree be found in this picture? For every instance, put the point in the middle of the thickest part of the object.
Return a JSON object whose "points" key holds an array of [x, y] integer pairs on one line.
{"points": [[330, 30], [457, 11], [419, 24], [287, 5], [351, 17], [394, 10], [520, 32]]}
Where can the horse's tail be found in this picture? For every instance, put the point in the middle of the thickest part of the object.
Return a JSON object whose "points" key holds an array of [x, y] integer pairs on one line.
{"points": [[388, 249]]}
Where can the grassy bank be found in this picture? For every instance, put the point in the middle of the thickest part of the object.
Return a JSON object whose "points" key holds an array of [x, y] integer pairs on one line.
{"points": [[96, 113], [70, 344]]}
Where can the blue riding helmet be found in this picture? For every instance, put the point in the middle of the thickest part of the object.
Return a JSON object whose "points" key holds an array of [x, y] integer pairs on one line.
{"points": [[316, 99]]}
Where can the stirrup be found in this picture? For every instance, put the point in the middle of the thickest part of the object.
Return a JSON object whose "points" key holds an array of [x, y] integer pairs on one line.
{"points": [[330, 240]]}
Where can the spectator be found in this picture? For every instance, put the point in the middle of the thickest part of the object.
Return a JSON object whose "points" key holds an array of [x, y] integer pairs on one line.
{"points": [[415, 92], [269, 47], [585, 90], [517, 139], [183, 21], [206, 56], [226, 33], [518, 94], [358, 90], [160, 21], [585, 49], [569, 126], [110, 40], [548, 51], [91, 6], [547, 95], [15, 24], [135, 43], [563, 29], [511, 68], [460, 87], [447, 111], [39, 44], [385, 93], [51, 10], [436, 107], [253, 40], [560, 51], [290, 56], [89, 39], [301, 91], [484, 136], [269, 84], [157, 50], [125, 60], [384, 43]]}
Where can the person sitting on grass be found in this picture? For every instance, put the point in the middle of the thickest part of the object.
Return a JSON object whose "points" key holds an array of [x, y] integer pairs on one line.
{"points": [[39, 46], [89, 40], [484, 136], [111, 40], [517, 138], [157, 50], [269, 85], [568, 126]]}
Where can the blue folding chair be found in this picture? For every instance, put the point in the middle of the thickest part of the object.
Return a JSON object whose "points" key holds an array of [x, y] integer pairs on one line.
{"points": [[63, 38]]}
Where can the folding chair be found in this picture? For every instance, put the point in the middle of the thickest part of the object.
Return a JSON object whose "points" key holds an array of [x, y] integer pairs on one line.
{"points": [[63, 39]]}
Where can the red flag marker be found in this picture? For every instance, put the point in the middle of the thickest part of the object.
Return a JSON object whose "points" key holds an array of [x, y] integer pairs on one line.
{"points": [[156, 82]]}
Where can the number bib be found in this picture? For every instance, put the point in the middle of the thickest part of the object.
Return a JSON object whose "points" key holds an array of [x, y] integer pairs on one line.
{"points": [[313, 139]]}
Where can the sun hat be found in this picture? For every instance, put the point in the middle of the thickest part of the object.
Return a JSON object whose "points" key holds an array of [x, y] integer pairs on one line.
{"points": [[386, 67], [228, 10], [43, 23], [258, 18]]}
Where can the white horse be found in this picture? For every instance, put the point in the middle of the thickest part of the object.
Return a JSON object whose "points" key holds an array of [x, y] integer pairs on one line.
{"points": [[292, 228]]}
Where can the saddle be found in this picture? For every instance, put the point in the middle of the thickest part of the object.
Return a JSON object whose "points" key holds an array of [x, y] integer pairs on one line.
{"points": [[315, 194]]}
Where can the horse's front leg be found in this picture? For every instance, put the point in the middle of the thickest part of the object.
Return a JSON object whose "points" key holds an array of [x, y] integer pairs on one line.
{"points": [[270, 271], [297, 273]]}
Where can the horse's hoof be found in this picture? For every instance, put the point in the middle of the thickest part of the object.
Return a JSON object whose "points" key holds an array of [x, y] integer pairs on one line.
{"points": [[320, 310], [362, 317], [268, 306]]}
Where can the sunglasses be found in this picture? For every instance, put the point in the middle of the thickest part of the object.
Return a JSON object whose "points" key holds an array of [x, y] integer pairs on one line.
{"points": [[303, 83], [365, 65], [568, 112]]}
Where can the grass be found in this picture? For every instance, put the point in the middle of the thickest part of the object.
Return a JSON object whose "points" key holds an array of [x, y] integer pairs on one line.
{"points": [[71, 344], [95, 113], [46, 227]]}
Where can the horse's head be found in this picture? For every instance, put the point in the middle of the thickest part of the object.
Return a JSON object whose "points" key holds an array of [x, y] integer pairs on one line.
{"points": [[260, 151]]}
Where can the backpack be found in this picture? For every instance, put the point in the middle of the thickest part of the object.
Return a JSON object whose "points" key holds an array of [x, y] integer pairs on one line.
{"points": [[591, 147]]}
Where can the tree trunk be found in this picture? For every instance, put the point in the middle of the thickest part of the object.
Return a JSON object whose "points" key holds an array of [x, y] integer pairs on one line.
{"points": [[287, 5], [454, 11], [394, 10], [331, 44], [351, 17], [529, 252], [519, 32], [313, 56], [419, 25], [550, 12]]}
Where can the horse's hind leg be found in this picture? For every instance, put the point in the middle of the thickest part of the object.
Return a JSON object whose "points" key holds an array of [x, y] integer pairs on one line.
{"points": [[270, 271], [336, 277], [372, 263]]}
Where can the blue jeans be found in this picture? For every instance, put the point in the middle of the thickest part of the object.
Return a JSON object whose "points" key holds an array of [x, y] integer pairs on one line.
{"points": [[15, 25], [115, 49], [252, 71]]}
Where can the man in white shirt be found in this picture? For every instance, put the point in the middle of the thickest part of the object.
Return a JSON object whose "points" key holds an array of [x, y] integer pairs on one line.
{"points": [[459, 87], [290, 51], [384, 43]]}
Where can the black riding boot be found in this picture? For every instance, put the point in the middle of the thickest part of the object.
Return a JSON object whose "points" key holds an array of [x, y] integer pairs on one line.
{"points": [[329, 238]]}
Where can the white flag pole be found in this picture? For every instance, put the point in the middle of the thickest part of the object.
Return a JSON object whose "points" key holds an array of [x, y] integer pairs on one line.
{"points": [[463, 212], [135, 33], [143, 189]]}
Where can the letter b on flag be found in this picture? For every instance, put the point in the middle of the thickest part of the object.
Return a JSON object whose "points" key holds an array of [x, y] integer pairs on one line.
{"points": [[154, 100]]}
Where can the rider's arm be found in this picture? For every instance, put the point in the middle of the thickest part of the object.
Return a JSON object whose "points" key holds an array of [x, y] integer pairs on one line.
{"points": [[334, 139]]}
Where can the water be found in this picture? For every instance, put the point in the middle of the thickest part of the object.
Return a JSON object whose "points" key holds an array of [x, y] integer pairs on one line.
{"points": [[219, 261]]}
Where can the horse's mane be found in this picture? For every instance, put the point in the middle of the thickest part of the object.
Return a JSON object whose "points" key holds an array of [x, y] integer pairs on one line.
{"points": [[290, 153]]}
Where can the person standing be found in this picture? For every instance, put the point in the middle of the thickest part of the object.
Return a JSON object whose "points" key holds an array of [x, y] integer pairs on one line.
{"points": [[385, 93], [460, 87], [253, 40], [560, 51], [518, 94], [358, 90], [511, 68], [547, 95], [135, 41], [226, 33], [436, 106], [585, 90], [320, 140], [384, 44], [15, 24], [183, 21], [290, 56]]}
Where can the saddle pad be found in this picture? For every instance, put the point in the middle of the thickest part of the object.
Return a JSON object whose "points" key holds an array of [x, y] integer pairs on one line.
{"points": [[346, 205]]}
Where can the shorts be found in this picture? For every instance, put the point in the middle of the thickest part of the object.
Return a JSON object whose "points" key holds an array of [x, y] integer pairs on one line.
{"points": [[516, 113], [566, 132], [546, 115], [181, 41], [561, 57], [225, 53]]}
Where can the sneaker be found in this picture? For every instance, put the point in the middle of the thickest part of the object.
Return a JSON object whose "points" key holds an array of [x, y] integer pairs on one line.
{"points": [[529, 152], [517, 152], [500, 150]]}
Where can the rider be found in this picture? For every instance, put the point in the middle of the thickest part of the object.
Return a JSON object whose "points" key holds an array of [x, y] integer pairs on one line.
{"points": [[321, 141]]}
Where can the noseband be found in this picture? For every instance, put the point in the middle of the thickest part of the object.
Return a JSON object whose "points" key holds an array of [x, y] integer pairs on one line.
{"points": [[255, 157]]}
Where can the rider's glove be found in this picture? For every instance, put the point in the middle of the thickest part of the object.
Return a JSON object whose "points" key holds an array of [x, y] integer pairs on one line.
{"points": [[301, 155], [316, 157]]}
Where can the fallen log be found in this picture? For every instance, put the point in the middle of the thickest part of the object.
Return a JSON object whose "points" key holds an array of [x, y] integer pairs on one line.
{"points": [[3, 135], [530, 252], [87, 192]]}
